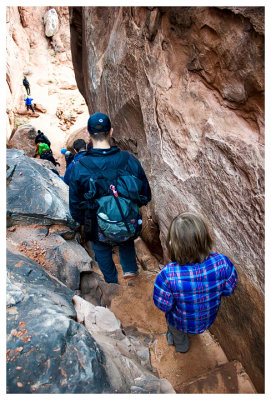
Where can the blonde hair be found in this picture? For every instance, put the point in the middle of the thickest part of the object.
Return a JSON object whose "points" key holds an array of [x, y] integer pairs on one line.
{"points": [[188, 240]]}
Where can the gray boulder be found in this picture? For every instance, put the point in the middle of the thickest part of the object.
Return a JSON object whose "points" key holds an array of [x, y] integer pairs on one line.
{"points": [[35, 195], [51, 22], [47, 350]]}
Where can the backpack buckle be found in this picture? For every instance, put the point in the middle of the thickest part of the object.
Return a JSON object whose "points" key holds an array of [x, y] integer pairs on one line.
{"points": [[114, 190]]}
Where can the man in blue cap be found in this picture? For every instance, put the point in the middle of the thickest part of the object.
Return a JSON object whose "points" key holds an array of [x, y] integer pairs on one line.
{"points": [[105, 158]]}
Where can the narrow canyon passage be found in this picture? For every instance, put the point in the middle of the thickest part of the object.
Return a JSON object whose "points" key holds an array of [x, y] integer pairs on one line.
{"points": [[195, 121]]}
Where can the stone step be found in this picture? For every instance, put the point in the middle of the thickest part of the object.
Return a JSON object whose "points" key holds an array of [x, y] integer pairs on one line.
{"points": [[204, 355], [228, 378]]}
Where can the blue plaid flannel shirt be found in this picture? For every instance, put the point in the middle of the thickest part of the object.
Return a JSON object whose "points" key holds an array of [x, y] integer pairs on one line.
{"points": [[190, 295]]}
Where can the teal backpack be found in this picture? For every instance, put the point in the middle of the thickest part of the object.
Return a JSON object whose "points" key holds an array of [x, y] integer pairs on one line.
{"points": [[117, 197]]}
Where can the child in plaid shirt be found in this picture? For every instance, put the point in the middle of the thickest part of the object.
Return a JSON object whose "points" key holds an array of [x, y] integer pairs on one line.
{"points": [[189, 289]]}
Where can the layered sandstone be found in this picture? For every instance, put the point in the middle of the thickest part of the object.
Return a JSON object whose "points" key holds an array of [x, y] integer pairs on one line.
{"points": [[184, 88]]}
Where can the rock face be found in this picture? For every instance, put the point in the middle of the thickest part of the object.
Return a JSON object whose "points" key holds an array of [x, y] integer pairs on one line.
{"points": [[78, 134], [62, 257], [51, 22], [184, 87], [127, 359], [24, 139], [35, 195], [47, 350]]}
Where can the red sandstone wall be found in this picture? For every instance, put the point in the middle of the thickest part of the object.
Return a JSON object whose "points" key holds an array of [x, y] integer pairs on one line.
{"points": [[184, 88]]}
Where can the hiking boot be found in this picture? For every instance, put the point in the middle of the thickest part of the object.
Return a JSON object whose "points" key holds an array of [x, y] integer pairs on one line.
{"points": [[178, 339], [131, 274]]}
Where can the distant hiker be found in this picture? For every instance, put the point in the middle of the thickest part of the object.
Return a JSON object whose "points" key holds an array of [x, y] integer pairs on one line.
{"points": [[68, 156], [189, 288], [42, 138], [80, 147], [26, 85], [111, 185], [28, 103], [40, 146], [46, 154]]}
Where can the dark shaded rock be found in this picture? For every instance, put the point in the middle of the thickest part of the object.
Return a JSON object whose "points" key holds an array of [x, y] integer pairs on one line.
{"points": [[35, 195], [62, 259], [46, 164], [95, 290], [145, 257], [47, 350], [64, 231]]}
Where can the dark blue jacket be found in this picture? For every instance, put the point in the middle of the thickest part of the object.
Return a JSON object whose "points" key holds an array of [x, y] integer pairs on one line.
{"points": [[105, 159], [76, 157]]}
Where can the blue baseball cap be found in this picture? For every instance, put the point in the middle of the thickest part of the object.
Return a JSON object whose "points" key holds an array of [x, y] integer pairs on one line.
{"points": [[99, 122]]}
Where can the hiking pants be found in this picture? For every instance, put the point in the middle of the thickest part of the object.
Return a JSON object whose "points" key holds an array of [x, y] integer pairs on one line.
{"points": [[30, 106], [103, 255], [27, 88], [178, 339]]}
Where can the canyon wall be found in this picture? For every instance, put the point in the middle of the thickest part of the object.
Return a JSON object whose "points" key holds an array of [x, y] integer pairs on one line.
{"points": [[184, 87]]}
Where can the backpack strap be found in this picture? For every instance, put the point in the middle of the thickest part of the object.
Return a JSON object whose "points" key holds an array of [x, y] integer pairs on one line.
{"points": [[121, 165]]}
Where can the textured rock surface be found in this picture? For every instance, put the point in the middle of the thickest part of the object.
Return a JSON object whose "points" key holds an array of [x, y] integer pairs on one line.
{"points": [[184, 88], [34, 193], [46, 164], [63, 259], [24, 139], [47, 350], [95, 290], [127, 359], [78, 134]]}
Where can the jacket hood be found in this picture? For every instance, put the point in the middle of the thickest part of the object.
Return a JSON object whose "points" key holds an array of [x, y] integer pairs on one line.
{"points": [[103, 152]]}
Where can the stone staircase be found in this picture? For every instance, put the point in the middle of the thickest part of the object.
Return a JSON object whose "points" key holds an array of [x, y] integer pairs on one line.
{"points": [[203, 369]]}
